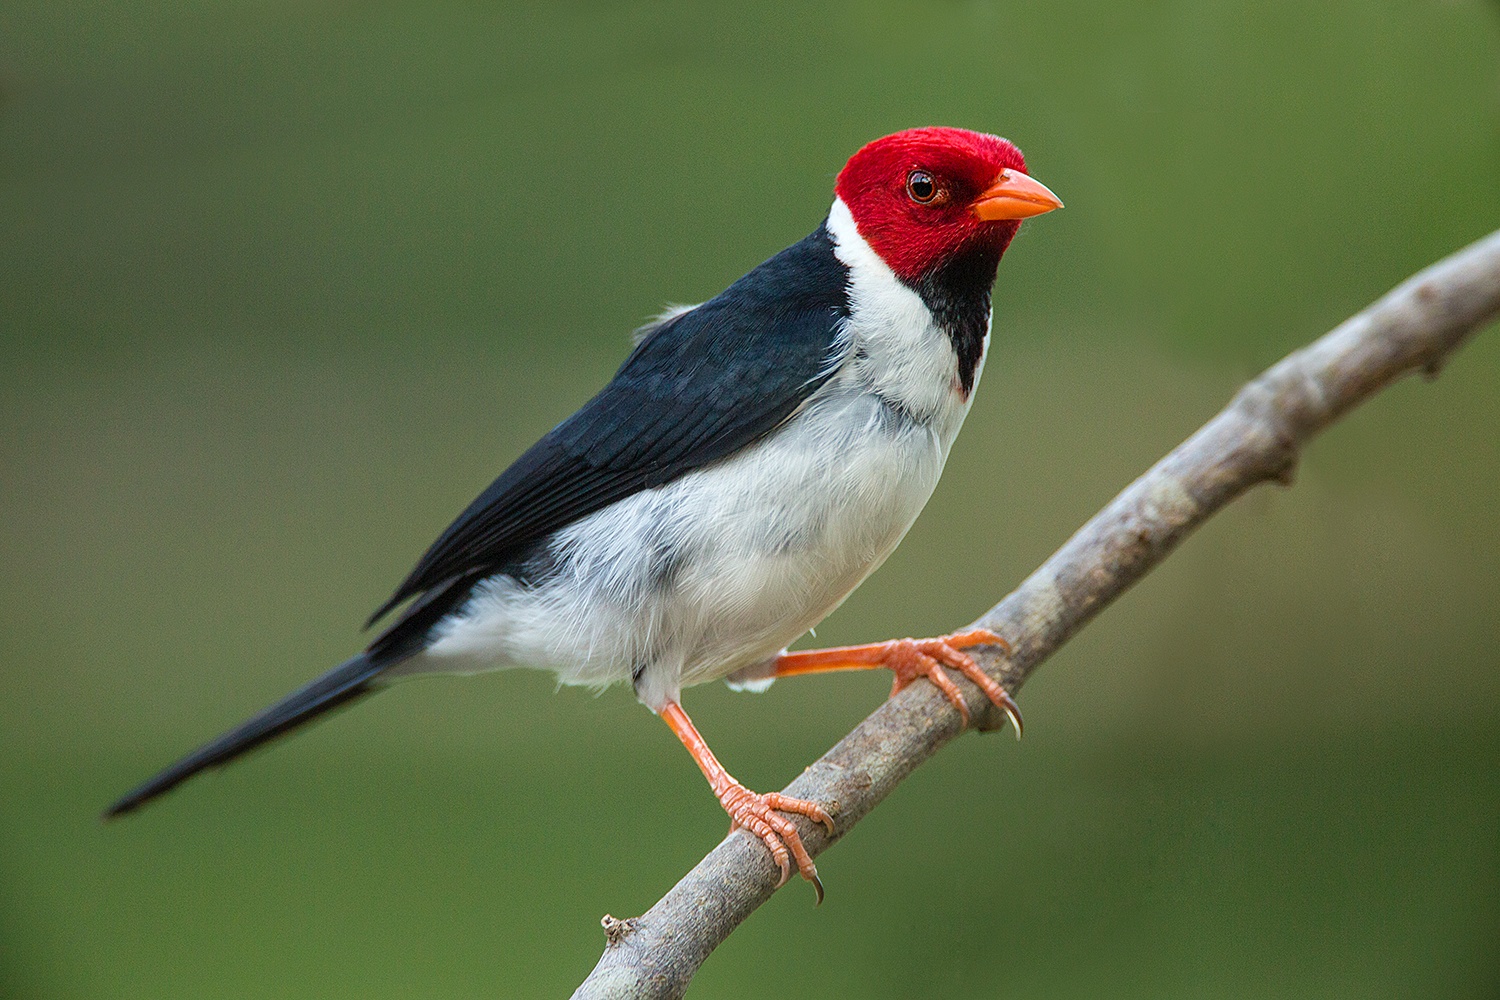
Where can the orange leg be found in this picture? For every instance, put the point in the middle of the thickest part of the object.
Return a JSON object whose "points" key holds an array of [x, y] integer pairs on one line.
{"points": [[913, 658], [750, 810]]}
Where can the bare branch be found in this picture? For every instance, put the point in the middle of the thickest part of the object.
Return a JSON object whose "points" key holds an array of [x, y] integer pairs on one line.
{"points": [[1256, 438]]}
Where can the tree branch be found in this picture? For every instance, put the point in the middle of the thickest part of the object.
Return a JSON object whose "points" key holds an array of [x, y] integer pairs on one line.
{"points": [[1256, 438]]}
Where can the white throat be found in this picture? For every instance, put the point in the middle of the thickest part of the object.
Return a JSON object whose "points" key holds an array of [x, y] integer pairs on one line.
{"points": [[901, 352]]}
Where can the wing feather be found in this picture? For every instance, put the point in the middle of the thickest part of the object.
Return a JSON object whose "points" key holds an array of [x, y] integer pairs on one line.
{"points": [[703, 385]]}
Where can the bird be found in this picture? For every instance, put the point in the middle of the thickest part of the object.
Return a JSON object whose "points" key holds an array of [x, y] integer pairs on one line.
{"points": [[754, 459]]}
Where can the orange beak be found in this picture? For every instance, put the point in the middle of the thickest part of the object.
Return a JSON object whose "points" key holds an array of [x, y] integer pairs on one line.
{"points": [[1014, 196]]}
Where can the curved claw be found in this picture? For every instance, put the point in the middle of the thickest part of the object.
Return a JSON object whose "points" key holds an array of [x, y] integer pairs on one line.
{"points": [[1014, 715], [913, 658], [756, 814], [786, 869]]}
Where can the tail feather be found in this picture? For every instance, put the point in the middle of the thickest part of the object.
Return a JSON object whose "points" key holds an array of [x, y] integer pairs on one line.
{"points": [[345, 682]]}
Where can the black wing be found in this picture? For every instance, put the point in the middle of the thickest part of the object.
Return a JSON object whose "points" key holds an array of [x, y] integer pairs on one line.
{"points": [[703, 385]]}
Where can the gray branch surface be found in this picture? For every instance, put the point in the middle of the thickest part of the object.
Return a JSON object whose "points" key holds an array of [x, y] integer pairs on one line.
{"points": [[1256, 438]]}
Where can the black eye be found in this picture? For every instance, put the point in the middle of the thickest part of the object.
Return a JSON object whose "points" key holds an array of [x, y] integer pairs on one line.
{"points": [[921, 187]]}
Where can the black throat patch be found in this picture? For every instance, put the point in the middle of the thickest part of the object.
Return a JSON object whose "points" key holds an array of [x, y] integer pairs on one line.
{"points": [[958, 293]]}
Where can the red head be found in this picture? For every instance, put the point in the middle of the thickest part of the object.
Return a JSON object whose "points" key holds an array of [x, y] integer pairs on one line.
{"points": [[923, 196]]}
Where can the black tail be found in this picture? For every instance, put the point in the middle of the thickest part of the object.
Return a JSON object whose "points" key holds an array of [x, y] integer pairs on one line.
{"points": [[345, 682]]}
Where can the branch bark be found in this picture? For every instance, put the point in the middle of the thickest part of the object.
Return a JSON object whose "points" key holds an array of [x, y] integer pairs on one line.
{"points": [[1256, 438]]}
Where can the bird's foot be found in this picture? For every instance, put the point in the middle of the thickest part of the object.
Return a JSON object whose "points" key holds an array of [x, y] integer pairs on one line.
{"points": [[759, 815], [910, 659]]}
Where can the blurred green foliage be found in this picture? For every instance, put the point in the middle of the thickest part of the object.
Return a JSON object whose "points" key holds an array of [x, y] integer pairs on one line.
{"points": [[283, 285]]}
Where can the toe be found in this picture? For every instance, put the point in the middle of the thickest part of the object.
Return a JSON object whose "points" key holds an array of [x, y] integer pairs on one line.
{"points": [[977, 637], [944, 683], [762, 816], [948, 650], [802, 807]]}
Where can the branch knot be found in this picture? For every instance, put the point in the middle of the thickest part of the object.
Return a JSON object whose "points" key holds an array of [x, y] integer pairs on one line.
{"points": [[617, 930]]}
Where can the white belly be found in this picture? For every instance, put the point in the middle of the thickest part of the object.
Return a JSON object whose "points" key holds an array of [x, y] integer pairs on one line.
{"points": [[720, 569]]}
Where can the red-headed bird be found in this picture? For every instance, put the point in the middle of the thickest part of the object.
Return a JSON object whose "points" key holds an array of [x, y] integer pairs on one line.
{"points": [[752, 461]]}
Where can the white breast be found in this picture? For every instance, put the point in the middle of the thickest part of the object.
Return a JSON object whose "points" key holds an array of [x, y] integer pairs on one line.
{"points": [[905, 356], [719, 570]]}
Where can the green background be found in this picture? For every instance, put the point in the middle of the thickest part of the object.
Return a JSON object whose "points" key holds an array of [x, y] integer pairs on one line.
{"points": [[283, 285]]}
